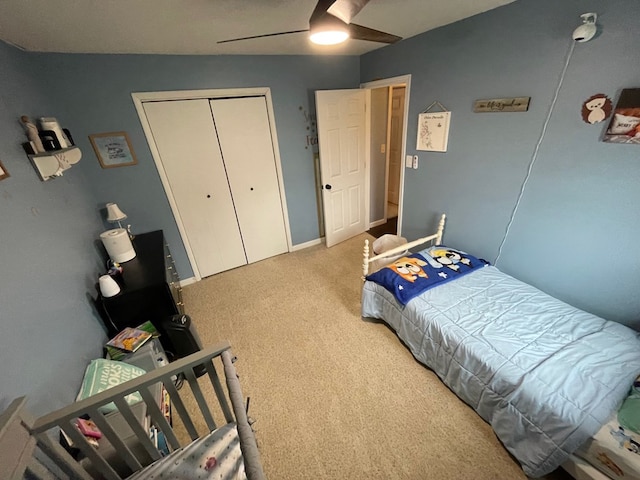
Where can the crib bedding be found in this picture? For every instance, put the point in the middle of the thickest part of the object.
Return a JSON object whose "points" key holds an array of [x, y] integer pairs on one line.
{"points": [[545, 375], [614, 451], [213, 456]]}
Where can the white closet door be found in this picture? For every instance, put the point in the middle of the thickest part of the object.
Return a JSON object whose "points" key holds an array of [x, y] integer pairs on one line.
{"points": [[185, 138], [244, 133]]}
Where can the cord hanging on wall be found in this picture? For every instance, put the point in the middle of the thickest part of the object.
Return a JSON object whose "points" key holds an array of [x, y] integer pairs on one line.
{"points": [[433, 129]]}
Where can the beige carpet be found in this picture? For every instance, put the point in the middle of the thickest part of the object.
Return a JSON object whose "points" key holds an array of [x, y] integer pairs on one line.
{"points": [[335, 396]]}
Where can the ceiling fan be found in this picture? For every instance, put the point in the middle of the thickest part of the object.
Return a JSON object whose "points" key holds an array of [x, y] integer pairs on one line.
{"points": [[330, 23]]}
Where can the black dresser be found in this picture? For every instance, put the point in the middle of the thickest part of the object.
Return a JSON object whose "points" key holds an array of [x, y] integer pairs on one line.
{"points": [[150, 288]]}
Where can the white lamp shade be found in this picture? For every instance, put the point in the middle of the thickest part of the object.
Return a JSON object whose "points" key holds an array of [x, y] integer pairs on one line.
{"points": [[108, 286], [114, 214]]}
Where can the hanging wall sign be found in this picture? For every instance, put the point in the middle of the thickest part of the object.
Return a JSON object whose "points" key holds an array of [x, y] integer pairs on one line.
{"points": [[515, 104], [596, 109], [433, 131]]}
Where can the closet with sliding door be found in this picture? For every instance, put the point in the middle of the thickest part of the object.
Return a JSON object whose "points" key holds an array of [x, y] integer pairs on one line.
{"points": [[217, 159]]}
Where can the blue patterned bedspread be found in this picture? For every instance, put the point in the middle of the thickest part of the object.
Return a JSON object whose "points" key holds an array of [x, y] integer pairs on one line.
{"points": [[545, 375]]}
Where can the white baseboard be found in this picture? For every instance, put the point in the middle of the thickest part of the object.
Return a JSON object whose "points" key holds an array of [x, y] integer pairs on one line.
{"points": [[187, 281], [310, 243], [377, 222]]}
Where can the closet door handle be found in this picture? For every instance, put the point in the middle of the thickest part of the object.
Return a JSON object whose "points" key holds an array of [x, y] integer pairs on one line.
{"points": [[208, 196], [327, 186]]}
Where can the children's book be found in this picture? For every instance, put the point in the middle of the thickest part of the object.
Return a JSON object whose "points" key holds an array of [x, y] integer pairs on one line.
{"points": [[88, 428], [129, 339]]}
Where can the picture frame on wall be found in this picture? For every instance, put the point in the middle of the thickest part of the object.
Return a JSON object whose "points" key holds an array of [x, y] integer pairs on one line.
{"points": [[113, 149], [3, 172], [433, 131]]}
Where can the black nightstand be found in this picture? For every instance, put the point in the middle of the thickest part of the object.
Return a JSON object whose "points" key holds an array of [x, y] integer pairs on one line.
{"points": [[150, 288]]}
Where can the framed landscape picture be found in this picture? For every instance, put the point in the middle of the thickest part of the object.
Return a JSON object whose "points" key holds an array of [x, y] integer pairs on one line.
{"points": [[113, 149]]}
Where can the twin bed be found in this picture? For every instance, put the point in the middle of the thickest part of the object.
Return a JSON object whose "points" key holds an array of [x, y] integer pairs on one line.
{"points": [[548, 377]]}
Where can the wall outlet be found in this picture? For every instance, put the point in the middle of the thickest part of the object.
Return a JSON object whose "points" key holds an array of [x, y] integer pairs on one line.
{"points": [[415, 162], [408, 161], [383, 148]]}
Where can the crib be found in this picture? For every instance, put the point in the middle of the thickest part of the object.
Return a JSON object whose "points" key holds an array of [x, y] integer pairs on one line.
{"points": [[30, 447]]}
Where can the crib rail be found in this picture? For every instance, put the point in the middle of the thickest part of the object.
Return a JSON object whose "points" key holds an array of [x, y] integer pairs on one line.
{"points": [[136, 460]]}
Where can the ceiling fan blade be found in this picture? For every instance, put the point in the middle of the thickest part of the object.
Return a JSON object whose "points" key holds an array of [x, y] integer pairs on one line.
{"points": [[358, 32], [321, 10], [260, 36], [345, 10]]}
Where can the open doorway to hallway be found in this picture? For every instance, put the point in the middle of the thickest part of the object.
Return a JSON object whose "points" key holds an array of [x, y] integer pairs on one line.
{"points": [[387, 146]]}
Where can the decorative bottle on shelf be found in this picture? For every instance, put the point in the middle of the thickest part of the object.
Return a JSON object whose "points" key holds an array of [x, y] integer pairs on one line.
{"points": [[32, 134]]}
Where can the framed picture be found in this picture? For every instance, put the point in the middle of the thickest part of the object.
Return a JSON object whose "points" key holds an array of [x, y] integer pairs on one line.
{"points": [[113, 149], [433, 131], [625, 121], [3, 172]]}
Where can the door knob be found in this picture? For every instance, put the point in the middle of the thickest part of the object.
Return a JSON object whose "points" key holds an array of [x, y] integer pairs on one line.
{"points": [[327, 186], [208, 196]]}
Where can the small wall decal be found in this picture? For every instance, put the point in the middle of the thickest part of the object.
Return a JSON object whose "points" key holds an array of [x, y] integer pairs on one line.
{"points": [[596, 109]]}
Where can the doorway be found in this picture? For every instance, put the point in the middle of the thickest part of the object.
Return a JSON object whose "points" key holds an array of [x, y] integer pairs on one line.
{"points": [[387, 148], [362, 137]]}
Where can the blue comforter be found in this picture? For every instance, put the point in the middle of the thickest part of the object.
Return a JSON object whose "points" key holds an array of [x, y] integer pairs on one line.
{"points": [[545, 375]]}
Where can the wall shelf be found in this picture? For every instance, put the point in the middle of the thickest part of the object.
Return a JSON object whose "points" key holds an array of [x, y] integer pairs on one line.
{"points": [[52, 164]]}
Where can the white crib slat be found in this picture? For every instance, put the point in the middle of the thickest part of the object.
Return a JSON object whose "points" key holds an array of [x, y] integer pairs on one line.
{"points": [[158, 418], [202, 403], [217, 387], [61, 457], [115, 440], [91, 453], [176, 401], [138, 429]]}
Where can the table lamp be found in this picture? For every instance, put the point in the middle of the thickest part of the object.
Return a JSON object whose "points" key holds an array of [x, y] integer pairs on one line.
{"points": [[115, 215]]}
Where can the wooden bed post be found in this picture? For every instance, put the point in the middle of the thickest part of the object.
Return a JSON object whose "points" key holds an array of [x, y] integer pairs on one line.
{"points": [[365, 262], [440, 229]]}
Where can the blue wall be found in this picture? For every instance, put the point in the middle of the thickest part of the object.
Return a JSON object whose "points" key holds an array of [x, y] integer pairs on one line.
{"points": [[582, 191], [48, 259], [575, 232], [96, 95], [49, 245]]}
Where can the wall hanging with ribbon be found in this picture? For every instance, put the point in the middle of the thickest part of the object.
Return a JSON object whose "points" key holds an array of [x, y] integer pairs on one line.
{"points": [[433, 129]]}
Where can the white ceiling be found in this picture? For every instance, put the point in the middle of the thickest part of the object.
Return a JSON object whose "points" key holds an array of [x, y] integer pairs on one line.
{"points": [[194, 26]]}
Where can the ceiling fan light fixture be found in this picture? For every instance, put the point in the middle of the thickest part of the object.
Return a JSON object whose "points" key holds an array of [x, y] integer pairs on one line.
{"points": [[332, 36]]}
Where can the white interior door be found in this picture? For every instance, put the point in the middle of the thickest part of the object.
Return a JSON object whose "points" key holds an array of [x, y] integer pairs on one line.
{"points": [[185, 138], [245, 141], [395, 143], [341, 142]]}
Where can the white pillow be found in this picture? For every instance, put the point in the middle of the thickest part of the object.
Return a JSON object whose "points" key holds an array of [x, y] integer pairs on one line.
{"points": [[623, 124]]}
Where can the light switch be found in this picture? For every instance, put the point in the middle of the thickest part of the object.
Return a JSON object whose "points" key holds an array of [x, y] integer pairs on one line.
{"points": [[408, 162], [383, 148], [415, 161]]}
